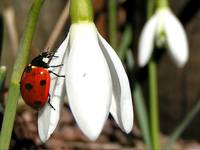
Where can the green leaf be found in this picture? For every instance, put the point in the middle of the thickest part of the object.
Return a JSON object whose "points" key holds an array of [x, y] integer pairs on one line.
{"points": [[184, 124], [142, 115], [20, 63], [112, 23], [125, 42]]}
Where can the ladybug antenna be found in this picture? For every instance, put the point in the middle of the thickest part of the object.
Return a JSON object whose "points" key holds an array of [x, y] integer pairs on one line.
{"points": [[51, 55], [48, 49]]}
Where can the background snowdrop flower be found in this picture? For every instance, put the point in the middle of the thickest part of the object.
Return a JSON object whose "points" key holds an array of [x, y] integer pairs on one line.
{"points": [[166, 30], [96, 82]]}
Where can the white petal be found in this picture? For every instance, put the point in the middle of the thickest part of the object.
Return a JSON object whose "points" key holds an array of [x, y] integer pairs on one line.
{"points": [[88, 80], [176, 39], [48, 117], [121, 106], [146, 41]]}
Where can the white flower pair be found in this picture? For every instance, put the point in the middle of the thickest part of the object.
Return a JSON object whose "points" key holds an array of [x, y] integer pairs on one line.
{"points": [[95, 82]]}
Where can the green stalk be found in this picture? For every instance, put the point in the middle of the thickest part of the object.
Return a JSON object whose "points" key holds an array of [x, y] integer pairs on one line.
{"points": [[81, 11], [21, 62], [153, 90], [162, 4], [154, 113], [179, 130], [112, 23]]}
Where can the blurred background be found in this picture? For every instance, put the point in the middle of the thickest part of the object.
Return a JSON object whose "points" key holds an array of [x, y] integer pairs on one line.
{"points": [[178, 89]]}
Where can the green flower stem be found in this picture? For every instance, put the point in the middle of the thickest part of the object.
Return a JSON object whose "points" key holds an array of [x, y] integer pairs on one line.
{"points": [[154, 113], [179, 130], [21, 62], [153, 90], [112, 23], [2, 75], [125, 42], [162, 4], [81, 11]]}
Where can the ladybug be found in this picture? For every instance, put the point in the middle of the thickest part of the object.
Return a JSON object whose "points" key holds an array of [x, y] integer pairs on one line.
{"points": [[35, 81]]}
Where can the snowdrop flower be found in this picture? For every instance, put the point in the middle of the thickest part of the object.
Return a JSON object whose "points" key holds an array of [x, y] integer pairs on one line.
{"points": [[166, 30], [96, 82]]}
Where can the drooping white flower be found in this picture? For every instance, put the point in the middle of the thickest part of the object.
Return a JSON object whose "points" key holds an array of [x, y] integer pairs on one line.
{"points": [[96, 84], [95, 80], [163, 29]]}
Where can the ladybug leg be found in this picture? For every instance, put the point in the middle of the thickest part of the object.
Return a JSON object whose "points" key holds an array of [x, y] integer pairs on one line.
{"points": [[57, 65], [55, 56], [50, 103], [56, 74]]}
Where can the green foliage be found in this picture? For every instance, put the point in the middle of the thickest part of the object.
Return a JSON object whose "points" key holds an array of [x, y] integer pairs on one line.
{"points": [[21, 61], [183, 125]]}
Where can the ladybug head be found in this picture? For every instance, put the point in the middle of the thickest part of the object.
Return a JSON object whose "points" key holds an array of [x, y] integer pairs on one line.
{"points": [[43, 59]]}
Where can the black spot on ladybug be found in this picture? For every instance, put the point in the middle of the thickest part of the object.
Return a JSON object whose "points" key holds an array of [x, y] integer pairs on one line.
{"points": [[37, 104], [42, 82], [28, 86]]}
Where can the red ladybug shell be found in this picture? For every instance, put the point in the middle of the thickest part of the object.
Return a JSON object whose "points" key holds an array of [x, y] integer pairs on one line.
{"points": [[35, 83]]}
